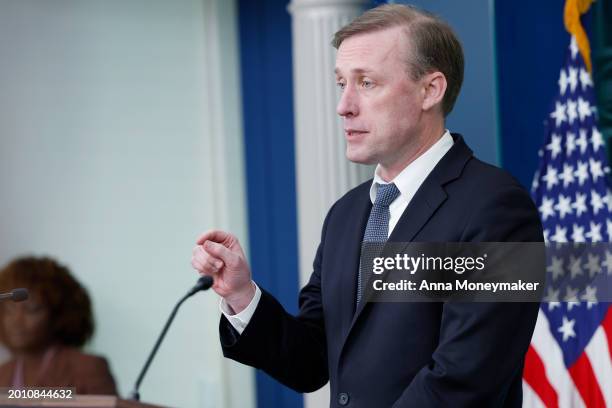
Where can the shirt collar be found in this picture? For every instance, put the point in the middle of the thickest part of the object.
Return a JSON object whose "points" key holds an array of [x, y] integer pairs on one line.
{"points": [[413, 175]]}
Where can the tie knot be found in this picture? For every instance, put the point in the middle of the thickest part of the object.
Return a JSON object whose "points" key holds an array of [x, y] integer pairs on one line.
{"points": [[385, 194]]}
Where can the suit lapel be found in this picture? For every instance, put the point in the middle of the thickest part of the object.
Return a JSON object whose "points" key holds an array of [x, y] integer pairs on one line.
{"points": [[352, 248], [422, 206]]}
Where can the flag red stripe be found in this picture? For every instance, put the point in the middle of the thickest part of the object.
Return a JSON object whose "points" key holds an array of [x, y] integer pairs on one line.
{"points": [[607, 326], [534, 374], [584, 378]]}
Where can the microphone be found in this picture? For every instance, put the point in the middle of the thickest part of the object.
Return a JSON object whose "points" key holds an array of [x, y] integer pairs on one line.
{"points": [[204, 283], [16, 295]]}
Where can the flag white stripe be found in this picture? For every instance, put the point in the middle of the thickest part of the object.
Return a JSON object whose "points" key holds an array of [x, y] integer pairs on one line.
{"points": [[549, 351], [599, 355], [530, 398]]}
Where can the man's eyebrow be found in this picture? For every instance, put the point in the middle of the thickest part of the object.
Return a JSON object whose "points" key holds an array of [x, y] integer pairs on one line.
{"points": [[354, 71]]}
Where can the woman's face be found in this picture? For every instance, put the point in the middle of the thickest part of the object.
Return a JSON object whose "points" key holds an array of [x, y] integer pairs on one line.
{"points": [[26, 324]]}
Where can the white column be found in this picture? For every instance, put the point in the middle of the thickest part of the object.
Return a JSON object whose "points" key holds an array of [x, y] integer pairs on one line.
{"points": [[322, 170]]}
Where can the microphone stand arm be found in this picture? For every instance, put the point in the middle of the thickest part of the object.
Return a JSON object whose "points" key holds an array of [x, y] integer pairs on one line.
{"points": [[135, 395]]}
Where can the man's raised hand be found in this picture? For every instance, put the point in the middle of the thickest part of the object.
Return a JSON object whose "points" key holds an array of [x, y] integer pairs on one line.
{"points": [[219, 254]]}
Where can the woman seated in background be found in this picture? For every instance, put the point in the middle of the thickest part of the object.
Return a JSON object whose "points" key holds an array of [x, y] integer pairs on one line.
{"points": [[45, 332]]}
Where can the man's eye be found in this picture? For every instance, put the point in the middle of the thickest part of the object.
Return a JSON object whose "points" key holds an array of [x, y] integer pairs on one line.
{"points": [[367, 84], [340, 85]]}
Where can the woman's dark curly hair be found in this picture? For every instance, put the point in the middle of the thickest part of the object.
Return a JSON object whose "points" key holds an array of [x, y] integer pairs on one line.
{"points": [[71, 318]]}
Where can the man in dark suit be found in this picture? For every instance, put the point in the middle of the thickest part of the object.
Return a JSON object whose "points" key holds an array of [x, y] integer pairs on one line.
{"points": [[400, 70]]}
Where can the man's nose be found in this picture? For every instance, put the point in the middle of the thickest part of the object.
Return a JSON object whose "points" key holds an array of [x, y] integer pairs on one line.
{"points": [[348, 104]]}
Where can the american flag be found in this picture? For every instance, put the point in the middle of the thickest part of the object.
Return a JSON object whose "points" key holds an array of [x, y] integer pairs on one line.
{"points": [[569, 362]]}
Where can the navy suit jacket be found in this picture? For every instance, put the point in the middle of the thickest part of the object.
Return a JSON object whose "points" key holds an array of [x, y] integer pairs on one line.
{"points": [[403, 354]]}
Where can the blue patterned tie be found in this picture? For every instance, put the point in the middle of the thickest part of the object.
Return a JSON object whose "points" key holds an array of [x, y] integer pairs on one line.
{"points": [[377, 230]]}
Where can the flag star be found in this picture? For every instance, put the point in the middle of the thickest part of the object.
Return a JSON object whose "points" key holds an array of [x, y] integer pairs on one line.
{"points": [[572, 113], [582, 172], [595, 232], [567, 328], [564, 206], [572, 78], [560, 234], [551, 296], [580, 204], [609, 229], [571, 297], [546, 208], [556, 267], [578, 233], [559, 114], [584, 109], [585, 79], [607, 264], [567, 175], [582, 141], [595, 168], [570, 143], [574, 266], [562, 81], [592, 265], [573, 47], [554, 146], [546, 234], [596, 202], [590, 296], [597, 140], [550, 177]]}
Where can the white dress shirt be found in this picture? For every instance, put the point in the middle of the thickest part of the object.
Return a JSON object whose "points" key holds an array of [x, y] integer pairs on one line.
{"points": [[407, 182]]}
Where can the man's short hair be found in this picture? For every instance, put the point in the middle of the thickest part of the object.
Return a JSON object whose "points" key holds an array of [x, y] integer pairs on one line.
{"points": [[435, 46]]}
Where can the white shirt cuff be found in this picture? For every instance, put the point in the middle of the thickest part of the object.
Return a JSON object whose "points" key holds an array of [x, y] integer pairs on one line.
{"points": [[240, 320]]}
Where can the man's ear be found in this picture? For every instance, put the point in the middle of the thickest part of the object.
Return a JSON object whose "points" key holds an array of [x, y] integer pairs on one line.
{"points": [[435, 88]]}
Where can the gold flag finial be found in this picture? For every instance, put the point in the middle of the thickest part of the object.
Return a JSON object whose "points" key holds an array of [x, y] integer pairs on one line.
{"points": [[573, 10]]}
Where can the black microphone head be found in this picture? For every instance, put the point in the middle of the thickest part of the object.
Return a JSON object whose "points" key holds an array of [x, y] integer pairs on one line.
{"points": [[205, 282], [19, 294]]}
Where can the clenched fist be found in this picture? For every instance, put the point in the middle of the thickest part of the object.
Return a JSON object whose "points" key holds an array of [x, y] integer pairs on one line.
{"points": [[220, 255]]}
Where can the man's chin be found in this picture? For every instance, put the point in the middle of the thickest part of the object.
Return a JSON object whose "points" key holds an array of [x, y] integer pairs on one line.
{"points": [[359, 158]]}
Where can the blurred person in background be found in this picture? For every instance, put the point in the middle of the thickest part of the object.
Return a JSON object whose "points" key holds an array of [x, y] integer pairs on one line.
{"points": [[44, 334]]}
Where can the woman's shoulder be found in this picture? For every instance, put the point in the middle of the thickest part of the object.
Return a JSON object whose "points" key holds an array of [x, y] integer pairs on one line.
{"points": [[80, 358], [93, 370]]}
